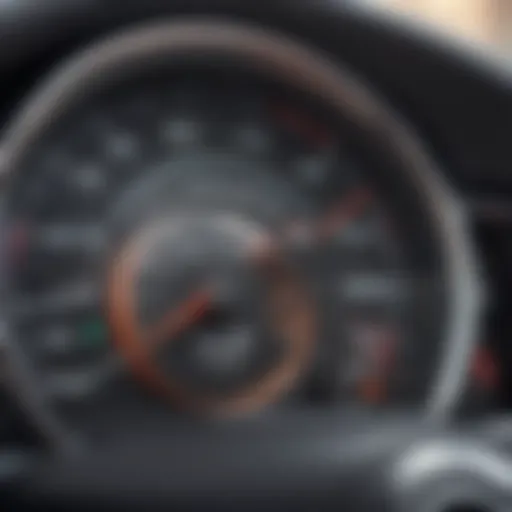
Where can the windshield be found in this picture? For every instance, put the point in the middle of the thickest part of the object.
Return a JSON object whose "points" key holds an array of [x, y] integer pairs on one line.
{"points": [[485, 22]]}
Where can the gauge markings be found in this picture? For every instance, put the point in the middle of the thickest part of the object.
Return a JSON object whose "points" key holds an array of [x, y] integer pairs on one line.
{"points": [[122, 146], [253, 139], [313, 169], [63, 300], [301, 124], [70, 237], [375, 287], [381, 349], [90, 178], [182, 133], [278, 164], [69, 385]]}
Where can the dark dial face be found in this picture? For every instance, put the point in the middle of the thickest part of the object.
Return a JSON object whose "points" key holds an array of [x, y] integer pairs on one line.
{"points": [[221, 244]]}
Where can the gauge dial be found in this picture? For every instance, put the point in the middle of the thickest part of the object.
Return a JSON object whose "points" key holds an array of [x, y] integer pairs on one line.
{"points": [[244, 337], [219, 242], [181, 217]]}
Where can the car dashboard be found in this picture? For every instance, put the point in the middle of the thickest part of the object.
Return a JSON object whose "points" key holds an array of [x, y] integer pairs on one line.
{"points": [[255, 254]]}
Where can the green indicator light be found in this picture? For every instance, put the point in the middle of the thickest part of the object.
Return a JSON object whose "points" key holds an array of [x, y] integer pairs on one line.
{"points": [[93, 333]]}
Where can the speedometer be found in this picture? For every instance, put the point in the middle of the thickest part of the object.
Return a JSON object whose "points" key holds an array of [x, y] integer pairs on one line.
{"points": [[212, 219]]}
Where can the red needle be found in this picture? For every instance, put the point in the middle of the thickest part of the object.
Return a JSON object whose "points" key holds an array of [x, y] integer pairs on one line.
{"points": [[179, 319], [267, 248], [343, 212], [138, 347]]}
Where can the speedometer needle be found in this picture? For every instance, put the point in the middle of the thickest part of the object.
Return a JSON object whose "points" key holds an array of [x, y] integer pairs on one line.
{"points": [[311, 232], [179, 319], [343, 212]]}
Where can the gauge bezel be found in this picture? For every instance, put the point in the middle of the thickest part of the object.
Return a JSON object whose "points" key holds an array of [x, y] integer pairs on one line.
{"points": [[123, 55]]}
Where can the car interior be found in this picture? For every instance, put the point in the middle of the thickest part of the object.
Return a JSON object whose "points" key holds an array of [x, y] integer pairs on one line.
{"points": [[256, 255]]}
